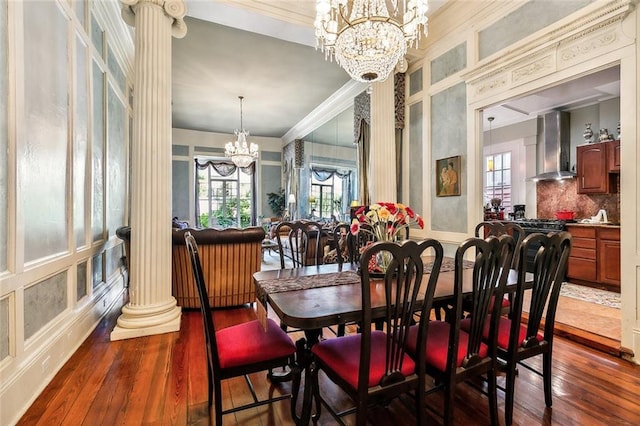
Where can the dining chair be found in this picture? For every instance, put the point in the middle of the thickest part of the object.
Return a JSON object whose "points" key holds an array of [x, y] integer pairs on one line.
{"points": [[299, 241], [238, 350], [497, 228], [373, 366], [517, 341], [454, 355], [484, 230]]}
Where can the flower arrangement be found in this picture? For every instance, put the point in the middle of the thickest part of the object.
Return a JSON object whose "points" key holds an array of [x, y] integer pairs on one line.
{"points": [[384, 221]]}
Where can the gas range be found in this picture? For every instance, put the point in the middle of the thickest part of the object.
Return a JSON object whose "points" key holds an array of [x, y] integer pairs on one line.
{"points": [[542, 225]]}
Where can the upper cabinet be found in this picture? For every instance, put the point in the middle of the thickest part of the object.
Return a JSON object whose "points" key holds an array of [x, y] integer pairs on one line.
{"points": [[595, 162], [613, 155]]}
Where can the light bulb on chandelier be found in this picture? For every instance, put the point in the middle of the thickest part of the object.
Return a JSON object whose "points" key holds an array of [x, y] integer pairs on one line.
{"points": [[369, 37], [241, 153]]}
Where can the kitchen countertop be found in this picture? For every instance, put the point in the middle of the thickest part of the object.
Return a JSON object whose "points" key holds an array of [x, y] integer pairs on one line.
{"points": [[601, 225]]}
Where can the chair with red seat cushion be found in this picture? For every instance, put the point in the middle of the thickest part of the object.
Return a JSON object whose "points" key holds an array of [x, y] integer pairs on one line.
{"points": [[496, 228], [373, 366], [517, 342], [484, 230], [237, 350], [454, 355]]}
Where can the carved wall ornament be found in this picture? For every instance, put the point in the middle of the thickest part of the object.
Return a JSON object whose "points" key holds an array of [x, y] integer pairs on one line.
{"points": [[399, 95], [361, 111], [588, 46], [491, 85], [532, 69]]}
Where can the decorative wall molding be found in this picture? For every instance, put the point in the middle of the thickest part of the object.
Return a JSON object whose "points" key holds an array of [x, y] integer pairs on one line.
{"points": [[575, 40], [527, 72]]}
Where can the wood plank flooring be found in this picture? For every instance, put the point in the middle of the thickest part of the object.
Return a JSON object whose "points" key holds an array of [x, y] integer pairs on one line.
{"points": [[161, 380]]}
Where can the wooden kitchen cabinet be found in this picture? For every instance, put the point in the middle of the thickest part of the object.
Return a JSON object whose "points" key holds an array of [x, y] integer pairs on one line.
{"points": [[582, 259], [609, 256], [593, 169], [595, 256], [613, 156]]}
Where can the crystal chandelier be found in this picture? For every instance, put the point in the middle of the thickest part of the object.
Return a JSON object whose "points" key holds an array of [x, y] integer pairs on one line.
{"points": [[239, 151], [369, 37]]}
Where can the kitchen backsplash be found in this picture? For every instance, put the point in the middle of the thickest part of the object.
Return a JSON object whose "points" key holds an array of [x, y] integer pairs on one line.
{"points": [[555, 195]]}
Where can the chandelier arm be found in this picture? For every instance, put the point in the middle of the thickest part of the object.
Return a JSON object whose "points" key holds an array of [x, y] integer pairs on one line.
{"points": [[341, 9]]}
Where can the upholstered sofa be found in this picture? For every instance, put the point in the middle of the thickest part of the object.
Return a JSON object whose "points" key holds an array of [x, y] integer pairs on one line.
{"points": [[229, 259]]}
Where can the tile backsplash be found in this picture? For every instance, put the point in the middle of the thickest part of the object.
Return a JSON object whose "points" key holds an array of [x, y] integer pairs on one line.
{"points": [[555, 195]]}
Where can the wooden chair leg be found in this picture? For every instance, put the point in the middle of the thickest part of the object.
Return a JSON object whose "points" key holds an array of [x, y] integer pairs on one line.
{"points": [[546, 377], [218, 403], [510, 393], [448, 404], [493, 398]]}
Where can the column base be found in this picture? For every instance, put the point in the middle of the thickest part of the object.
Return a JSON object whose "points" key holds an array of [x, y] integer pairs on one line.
{"points": [[138, 321]]}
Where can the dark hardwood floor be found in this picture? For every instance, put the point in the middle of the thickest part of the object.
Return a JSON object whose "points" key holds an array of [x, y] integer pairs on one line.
{"points": [[161, 380]]}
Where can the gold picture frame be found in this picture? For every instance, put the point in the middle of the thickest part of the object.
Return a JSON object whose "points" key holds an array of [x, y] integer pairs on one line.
{"points": [[448, 176]]}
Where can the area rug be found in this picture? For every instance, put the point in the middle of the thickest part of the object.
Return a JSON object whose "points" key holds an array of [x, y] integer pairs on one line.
{"points": [[591, 295]]}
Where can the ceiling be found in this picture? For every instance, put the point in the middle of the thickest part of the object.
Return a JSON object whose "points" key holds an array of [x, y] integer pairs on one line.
{"points": [[265, 51]]}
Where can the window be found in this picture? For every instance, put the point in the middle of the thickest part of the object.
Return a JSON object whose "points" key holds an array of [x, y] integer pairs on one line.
{"points": [[327, 190], [225, 195], [498, 178]]}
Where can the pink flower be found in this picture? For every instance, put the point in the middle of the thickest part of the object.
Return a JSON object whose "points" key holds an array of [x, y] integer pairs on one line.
{"points": [[355, 226]]}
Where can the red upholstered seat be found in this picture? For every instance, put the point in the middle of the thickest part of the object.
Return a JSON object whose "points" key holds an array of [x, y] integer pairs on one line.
{"points": [[343, 356], [438, 344], [452, 354], [504, 331], [248, 343], [374, 367], [238, 350], [518, 342]]}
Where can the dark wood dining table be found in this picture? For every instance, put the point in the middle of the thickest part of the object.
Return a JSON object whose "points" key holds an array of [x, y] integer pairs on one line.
{"points": [[313, 297]]}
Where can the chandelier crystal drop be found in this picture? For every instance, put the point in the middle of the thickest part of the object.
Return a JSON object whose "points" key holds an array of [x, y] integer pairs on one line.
{"points": [[241, 153], [369, 37]]}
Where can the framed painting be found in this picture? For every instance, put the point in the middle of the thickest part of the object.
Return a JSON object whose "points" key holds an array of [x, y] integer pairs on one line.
{"points": [[448, 176]]}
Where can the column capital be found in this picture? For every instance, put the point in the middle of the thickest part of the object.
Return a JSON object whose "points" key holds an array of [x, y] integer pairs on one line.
{"points": [[174, 9]]}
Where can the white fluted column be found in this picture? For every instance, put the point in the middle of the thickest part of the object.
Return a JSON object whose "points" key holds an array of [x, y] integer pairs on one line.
{"points": [[383, 143], [151, 308]]}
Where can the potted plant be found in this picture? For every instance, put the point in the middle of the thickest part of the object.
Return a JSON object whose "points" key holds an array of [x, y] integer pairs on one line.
{"points": [[276, 201]]}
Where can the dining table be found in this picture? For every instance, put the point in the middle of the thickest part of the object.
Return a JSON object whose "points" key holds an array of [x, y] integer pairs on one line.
{"points": [[313, 297]]}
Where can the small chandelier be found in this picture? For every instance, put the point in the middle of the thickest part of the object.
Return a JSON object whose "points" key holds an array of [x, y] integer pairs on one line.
{"points": [[369, 37], [239, 151]]}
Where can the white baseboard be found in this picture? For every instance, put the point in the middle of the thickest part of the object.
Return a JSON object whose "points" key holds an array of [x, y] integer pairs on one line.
{"points": [[21, 383]]}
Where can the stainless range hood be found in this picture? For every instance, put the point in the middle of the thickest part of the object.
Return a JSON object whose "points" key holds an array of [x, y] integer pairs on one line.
{"points": [[556, 147]]}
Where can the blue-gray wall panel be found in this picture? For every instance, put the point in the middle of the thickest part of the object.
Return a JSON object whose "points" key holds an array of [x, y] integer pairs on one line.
{"points": [[449, 63], [43, 302], [180, 189], [271, 156], [526, 20], [448, 139], [179, 149], [81, 282], [4, 328], [416, 165], [415, 82]]}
